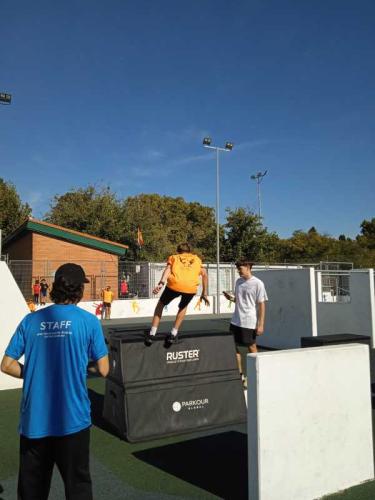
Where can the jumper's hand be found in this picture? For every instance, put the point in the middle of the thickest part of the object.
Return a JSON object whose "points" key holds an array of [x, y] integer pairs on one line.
{"points": [[157, 289], [205, 300]]}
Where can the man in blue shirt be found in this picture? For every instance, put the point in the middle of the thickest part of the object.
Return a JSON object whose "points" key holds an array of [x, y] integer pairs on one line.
{"points": [[55, 420]]}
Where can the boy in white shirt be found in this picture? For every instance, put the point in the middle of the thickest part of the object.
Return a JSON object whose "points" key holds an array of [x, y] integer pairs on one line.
{"points": [[248, 318]]}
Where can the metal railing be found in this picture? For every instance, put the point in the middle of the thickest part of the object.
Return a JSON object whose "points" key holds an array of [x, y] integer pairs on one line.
{"points": [[333, 286], [127, 279], [138, 279]]}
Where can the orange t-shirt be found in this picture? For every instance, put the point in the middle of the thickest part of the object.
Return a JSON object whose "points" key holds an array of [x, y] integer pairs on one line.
{"points": [[185, 271], [31, 306], [107, 296]]}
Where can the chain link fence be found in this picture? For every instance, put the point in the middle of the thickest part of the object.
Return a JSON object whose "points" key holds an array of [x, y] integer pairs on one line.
{"points": [[100, 274], [333, 286], [127, 279], [137, 279]]}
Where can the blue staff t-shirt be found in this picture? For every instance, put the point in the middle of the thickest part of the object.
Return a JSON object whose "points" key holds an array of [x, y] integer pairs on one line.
{"points": [[57, 342]]}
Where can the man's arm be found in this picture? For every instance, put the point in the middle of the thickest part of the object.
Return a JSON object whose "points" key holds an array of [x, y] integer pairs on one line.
{"points": [[103, 365], [261, 317], [12, 367], [163, 279]]}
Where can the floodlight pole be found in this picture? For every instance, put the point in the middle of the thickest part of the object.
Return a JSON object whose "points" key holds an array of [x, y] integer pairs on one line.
{"points": [[229, 146], [259, 177]]}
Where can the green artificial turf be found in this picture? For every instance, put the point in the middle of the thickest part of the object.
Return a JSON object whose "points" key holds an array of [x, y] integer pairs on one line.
{"points": [[201, 465]]}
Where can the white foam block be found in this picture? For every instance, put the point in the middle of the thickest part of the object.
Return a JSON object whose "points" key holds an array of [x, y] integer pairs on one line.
{"points": [[13, 308], [309, 422]]}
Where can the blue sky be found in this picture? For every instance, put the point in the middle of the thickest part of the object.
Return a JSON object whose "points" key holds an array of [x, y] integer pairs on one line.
{"points": [[123, 92]]}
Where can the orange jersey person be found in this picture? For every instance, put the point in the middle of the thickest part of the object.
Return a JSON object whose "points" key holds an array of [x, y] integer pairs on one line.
{"points": [[182, 273]]}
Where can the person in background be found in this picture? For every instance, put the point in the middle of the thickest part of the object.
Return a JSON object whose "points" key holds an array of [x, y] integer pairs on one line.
{"points": [[107, 297], [36, 292], [249, 314], [31, 305], [57, 343], [43, 291], [182, 274], [124, 289]]}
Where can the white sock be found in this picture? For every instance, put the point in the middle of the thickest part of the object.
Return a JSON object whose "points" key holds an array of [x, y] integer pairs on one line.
{"points": [[174, 332], [153, 331]]}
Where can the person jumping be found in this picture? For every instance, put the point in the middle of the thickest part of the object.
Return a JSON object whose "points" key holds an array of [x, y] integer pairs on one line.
{"points": [[182, 276]]}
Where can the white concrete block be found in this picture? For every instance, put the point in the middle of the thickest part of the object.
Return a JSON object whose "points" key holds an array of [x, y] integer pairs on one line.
{"points": [[356, 316], [309, 422], [13, 308], [291, 308]]}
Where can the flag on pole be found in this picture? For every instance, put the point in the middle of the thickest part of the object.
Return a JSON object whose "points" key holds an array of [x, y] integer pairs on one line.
{"points": [[140, 238]]}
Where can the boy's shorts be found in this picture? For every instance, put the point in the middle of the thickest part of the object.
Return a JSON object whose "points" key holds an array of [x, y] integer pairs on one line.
{"points": [[168, 295], [243, 336]]}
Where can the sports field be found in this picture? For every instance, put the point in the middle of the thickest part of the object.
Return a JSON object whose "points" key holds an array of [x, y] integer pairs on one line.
{"points": [[197, 465]]}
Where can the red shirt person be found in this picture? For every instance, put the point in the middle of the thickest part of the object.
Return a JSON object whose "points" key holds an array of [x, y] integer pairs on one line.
{"points": [[36, 291]]}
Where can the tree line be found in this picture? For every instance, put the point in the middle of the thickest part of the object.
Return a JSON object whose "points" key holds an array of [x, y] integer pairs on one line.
{"points": [[165, 221]]}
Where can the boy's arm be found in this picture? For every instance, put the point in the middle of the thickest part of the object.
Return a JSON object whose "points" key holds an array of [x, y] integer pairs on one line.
{"points": [[261, 317], [12, 367], [163, 279], [204, 286], [229, 296], [103, 365]]}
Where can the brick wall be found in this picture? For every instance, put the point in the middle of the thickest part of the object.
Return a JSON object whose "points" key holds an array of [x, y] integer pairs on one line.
{"points": [[100, 267], [20, 249]]}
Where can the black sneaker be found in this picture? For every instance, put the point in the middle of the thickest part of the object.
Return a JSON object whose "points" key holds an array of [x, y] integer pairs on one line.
{"points": [[148, 339], [170, 339]]}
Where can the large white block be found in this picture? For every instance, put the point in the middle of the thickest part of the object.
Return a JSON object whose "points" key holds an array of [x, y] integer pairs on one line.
{"points": [[309, 422], [13, 308], [357, 316], [291, 308]]}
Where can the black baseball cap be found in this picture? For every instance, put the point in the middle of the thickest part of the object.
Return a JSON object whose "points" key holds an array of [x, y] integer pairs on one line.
{"points": [[72, 274]]}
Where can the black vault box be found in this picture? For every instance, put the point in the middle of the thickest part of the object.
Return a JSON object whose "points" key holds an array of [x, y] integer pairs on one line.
{"points": [[165, 409], [201, 352], [157, 391]]}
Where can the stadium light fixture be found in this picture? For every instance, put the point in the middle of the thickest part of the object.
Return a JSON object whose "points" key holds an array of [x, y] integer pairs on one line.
{"points": [[228, 147], [5, 98]]}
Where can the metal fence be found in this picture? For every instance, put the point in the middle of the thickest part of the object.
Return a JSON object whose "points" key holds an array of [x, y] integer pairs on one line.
{"points": [[138, 279], [333, 286], [127, 279]]}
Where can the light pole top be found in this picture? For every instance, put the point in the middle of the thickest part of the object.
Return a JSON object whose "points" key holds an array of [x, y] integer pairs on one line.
{"points": [[207, 144], [5, 98], [259, 176]]}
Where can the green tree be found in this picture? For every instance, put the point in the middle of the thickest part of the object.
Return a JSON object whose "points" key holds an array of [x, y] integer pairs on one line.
{"points": [[312, 247], [304, 247], [12, 211], [89, 210], [367, 237], [165, 222], [245, 236]]}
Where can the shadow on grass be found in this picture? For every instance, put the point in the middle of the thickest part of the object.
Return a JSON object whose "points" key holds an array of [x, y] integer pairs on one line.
{"points": [[215, 463], [97, 402], [1, 491]]}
